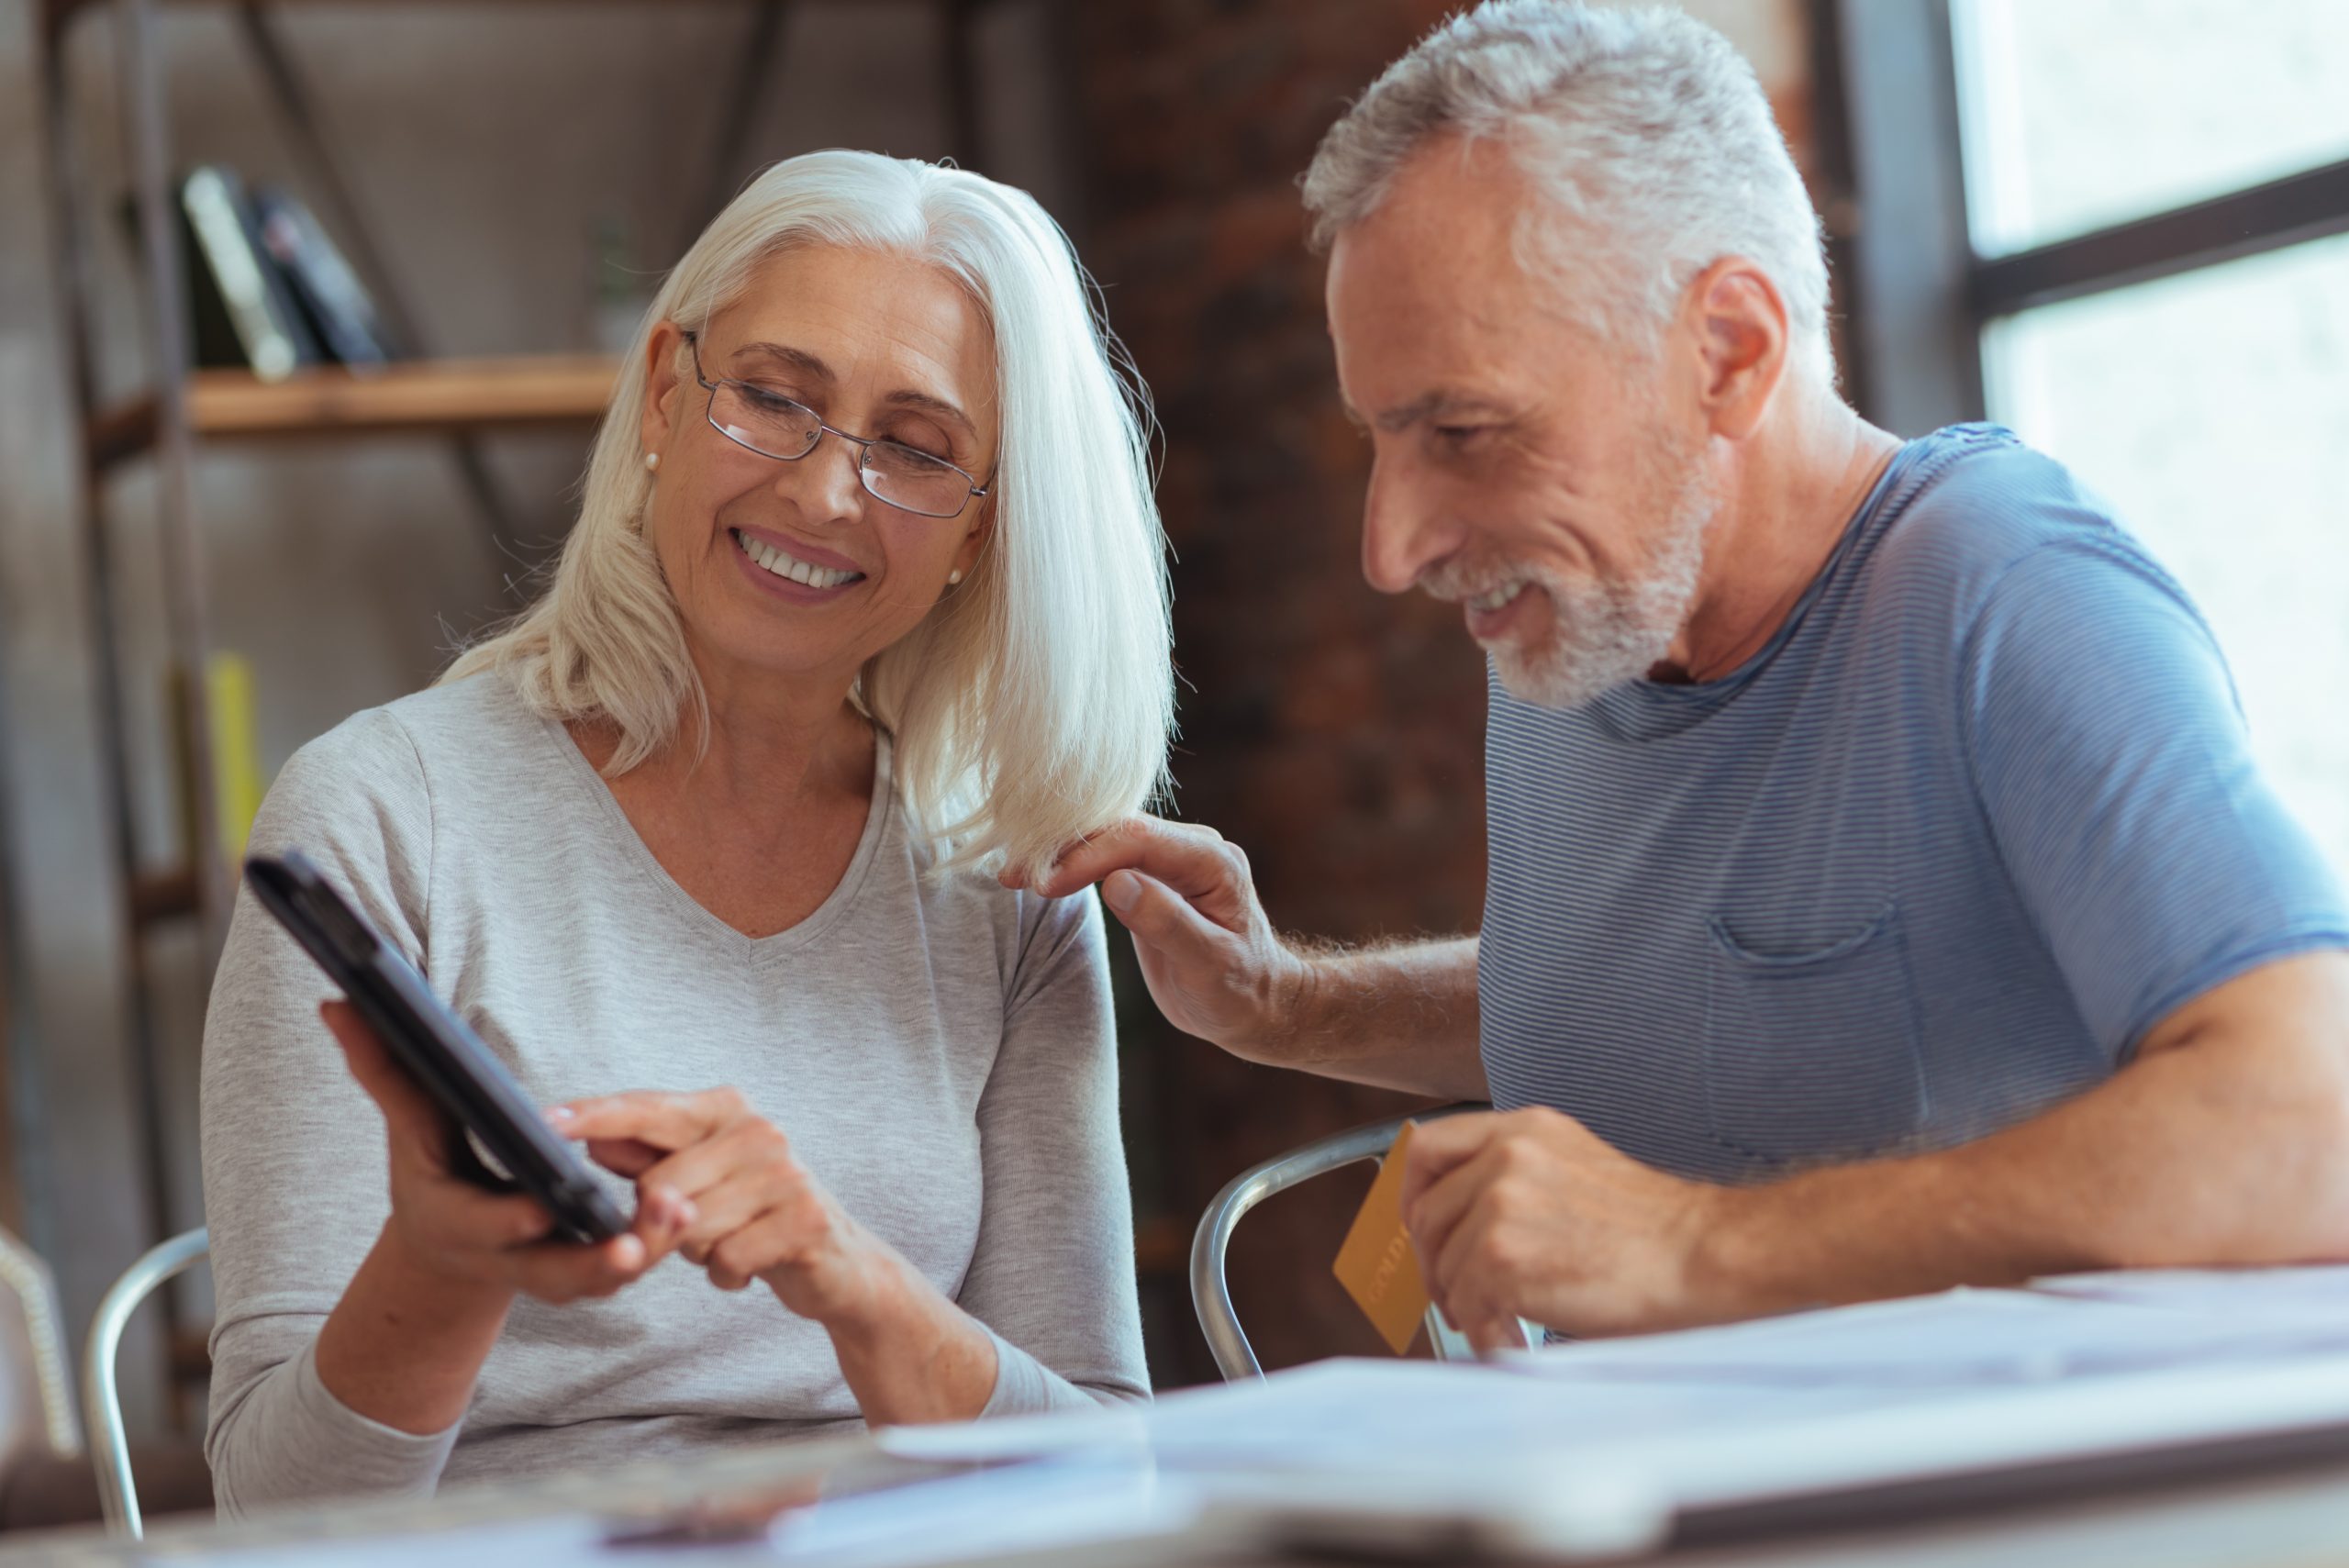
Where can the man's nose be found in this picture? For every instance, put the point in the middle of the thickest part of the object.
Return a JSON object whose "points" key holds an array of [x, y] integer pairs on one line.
{"points": [[1402, 533]]}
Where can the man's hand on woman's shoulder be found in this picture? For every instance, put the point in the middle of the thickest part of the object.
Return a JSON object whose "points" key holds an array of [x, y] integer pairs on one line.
{"points": [[1401, 1014], [1215, 965]]}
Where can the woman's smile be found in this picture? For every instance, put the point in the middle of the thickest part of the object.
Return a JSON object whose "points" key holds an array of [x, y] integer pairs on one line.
{"points": [[800, 573]]}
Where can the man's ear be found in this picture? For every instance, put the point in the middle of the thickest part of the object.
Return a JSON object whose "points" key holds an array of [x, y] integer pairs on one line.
{"points": [[1738, 322], [663, 349]]}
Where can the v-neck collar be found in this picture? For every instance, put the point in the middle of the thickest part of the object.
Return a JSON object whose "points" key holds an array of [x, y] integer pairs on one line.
{"points": [[630, 847]]}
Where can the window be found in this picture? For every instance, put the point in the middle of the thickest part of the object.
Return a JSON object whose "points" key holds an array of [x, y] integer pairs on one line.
{"points": [[2154, 288], [2080, 114]]}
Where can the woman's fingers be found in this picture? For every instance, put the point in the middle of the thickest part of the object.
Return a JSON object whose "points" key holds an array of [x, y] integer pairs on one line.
{"points": [[406, 1108], [469, 1217], [565, 1271], [772, 1241], [749, 1145], [664, 1216], [630, 1157], [666, 1121], [728, 1207], [419, 1134]]}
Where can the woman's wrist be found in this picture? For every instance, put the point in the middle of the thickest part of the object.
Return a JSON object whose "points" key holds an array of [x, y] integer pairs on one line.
{"points": [[400, 1258], [406, 1342], [907, 1352]]}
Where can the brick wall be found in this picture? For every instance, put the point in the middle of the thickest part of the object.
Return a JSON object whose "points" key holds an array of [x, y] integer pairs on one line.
{"points": [[1334, 733]]}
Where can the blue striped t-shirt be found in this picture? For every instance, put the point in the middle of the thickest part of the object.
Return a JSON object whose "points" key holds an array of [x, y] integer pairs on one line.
{"points": [[1940, 855]]}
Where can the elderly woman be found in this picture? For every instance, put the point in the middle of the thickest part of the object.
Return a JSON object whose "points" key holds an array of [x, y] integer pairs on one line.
{"points": [[865, 603]]}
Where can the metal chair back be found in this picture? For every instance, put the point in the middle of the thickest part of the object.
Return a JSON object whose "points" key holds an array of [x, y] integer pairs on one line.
{"points": [[1211, 1292], [101, 1398], [38, 1407]]}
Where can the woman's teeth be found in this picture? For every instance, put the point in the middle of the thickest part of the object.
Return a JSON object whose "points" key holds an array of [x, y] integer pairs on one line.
{"points": [[1486, 603], [790, 566]]}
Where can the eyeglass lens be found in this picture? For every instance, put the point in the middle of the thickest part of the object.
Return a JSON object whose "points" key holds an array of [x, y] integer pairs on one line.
{"points": [[900, 474]]}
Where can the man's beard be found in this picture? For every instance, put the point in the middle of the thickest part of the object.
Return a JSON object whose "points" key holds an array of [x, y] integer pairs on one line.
{"points": [[1608, 630]]}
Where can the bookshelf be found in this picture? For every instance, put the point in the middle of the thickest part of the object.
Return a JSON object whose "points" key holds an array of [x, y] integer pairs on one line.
{"points": [[406, 397]]}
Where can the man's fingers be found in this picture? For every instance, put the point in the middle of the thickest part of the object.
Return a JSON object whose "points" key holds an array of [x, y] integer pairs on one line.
{"points": [[1500, 1332], [1160, 918], [1439, 1221], [1439, 1148], [1194, 860], [1475, 1300]]}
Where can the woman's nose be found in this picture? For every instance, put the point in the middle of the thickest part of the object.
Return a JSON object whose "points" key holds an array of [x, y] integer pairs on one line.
{"points": [[828, 483]]}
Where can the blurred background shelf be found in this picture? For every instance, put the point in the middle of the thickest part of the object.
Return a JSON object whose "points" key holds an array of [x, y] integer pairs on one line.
{"points": [[404, 398]]}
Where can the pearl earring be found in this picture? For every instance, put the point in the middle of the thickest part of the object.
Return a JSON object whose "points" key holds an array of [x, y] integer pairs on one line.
{"points": [[652, 461], [954, 576]]}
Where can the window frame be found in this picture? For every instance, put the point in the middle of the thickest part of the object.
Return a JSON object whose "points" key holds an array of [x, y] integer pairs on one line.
{"points": [[1922, 296]]}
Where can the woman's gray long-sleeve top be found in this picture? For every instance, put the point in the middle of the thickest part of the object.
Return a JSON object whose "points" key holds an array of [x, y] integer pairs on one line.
{"points": [[938, 1050]]}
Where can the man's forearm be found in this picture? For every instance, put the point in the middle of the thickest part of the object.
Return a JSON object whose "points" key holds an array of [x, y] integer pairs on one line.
{"points": [[2205, 1154], [1398, 1017]]}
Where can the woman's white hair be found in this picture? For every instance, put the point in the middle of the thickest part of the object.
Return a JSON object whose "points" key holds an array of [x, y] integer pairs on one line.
{"points": [[1646, 131], [1034, 702]]}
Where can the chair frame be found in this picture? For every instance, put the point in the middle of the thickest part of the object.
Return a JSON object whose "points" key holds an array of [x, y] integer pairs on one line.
{"points": [[101, 1395], [1210, 1289], [28, 1276]]}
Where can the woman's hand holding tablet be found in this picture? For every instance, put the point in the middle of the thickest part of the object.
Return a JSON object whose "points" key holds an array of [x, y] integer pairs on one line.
{"points": [[446, 1224]]}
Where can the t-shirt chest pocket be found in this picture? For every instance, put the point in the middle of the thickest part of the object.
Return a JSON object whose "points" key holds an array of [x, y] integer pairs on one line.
{"points": [[1812, 1053]]}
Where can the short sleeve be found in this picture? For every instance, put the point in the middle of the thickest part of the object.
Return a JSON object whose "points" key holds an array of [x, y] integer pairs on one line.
{"points": [[2113, 763]]}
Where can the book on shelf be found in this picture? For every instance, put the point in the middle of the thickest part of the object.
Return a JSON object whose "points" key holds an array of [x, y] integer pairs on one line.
{"points": [[325, 286], [241, 311], [268, 290]]}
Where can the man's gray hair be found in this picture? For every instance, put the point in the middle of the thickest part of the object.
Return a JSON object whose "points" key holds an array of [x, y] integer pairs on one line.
{"points": [[1645, 129]]}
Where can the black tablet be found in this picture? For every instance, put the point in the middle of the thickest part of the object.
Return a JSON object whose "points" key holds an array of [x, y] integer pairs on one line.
{"points": [[439, 1052]]}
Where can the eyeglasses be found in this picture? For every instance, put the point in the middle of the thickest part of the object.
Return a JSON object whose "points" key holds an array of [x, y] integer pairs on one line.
{"points": [[774, 426]]}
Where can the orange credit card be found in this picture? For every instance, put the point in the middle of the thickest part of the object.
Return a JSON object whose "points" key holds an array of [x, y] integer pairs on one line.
{"points": [[1378, 1265]]}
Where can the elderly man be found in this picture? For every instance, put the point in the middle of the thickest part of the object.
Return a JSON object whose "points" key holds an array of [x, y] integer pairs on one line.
{"points": [[1882, 892]]}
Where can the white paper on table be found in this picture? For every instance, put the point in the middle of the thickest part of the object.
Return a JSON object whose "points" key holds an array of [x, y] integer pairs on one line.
{"points": [[2318, 1292], [1956, 1338], [1106, 1430], [1012, 1509], [573, 1538], [1366, 1415], [1680, 1444]]}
